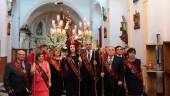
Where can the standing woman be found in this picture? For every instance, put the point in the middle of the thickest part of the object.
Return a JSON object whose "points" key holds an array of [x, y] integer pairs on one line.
{"points": [[133, 74], [72, 72], [56, 73], [41, 80]]}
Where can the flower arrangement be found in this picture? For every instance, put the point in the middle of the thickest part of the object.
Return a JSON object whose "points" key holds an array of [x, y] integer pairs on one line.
{"points": [[63, 30], [56, 38]]}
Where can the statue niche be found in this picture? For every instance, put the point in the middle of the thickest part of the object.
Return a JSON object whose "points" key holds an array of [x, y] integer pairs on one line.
{"points": [[39, 29]]}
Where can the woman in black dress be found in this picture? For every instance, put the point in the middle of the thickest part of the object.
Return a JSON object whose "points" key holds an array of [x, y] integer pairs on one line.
{"points": [[56, 73], [72, 72], [133, 74]]}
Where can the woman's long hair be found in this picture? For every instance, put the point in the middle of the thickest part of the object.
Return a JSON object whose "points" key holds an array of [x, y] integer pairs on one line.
{"points": [[38, 53], [76, 50], [54, 51]]}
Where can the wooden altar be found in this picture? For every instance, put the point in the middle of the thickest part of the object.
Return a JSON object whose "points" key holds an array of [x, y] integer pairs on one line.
{"points": [[3, 62]]}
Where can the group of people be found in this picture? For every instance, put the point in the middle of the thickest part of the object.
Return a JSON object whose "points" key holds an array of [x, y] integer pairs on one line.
{"points": [[109, 71]]}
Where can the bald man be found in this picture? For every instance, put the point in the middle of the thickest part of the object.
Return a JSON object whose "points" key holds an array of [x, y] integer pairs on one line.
{"points": [[17, 74], [113, 73]]}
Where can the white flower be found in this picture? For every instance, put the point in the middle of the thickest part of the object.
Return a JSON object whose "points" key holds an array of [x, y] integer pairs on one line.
{"points": [[56, 38]]}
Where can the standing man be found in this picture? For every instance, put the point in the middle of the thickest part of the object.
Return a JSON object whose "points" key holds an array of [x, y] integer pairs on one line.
{"points": [[113, 73], [89, 70], [120, 52], [44, 51], [17, 74]]}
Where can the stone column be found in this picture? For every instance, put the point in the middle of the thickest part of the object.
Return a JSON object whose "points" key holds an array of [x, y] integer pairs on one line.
{"points": [[5, 38], [3, 27]]}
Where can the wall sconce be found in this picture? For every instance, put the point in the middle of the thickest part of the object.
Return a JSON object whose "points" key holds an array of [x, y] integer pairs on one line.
{"points": [[8, 29]]}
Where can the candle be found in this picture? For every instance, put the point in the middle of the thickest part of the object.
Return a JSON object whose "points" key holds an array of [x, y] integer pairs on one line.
{"points": [[80, 24], [58, 18], [61, 23], [53, 23]]}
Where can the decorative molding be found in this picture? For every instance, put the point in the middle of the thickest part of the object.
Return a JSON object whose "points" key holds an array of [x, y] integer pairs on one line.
{"points": [[41, 3]]}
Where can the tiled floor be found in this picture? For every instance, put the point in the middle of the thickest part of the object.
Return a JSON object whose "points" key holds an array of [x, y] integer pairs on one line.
{"points": [[2, 89], [3, 94]]}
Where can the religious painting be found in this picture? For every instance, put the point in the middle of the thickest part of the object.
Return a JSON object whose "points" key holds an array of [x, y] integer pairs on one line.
{"points": [[136, 19]]}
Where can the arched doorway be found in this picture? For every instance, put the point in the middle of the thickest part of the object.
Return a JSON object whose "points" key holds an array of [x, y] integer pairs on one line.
{"points": [[40, 21]]}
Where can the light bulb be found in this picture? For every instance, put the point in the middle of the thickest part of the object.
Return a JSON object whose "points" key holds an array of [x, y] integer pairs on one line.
{"points": [[80, 24]]}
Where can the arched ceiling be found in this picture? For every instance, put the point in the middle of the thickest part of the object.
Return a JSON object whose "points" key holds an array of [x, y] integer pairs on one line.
{"points": [[52, 9]]}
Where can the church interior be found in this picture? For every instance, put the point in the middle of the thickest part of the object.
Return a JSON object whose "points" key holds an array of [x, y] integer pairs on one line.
{"points": [[140, 24]]}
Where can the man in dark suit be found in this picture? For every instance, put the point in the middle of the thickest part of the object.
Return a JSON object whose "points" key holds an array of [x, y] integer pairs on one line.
{"points": [[89, 71], [113, 73], [16, 77]]}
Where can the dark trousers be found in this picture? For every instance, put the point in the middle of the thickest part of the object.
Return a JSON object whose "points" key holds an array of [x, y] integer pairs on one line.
{"points": [[100, 87], [72, 87], [56, 88], [87, 87], [111, 88]]}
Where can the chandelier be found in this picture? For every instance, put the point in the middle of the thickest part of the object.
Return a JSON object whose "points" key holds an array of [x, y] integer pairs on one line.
{"points": [[62, 29]]}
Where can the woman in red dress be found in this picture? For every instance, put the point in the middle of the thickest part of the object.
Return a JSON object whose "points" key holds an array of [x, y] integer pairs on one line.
{"points": [[41, 80]]}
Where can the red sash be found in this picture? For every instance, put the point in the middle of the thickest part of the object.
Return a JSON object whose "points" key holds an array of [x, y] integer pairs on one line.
{"points": [[43, 75], [112, 72], [133, 69], [87, 64], [56, 65], [22, 71], [74, 68]]}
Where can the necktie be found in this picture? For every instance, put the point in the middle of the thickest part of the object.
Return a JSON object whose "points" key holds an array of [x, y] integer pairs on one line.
{"points": [[88, 55], [22, 65], [110, 60]]}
